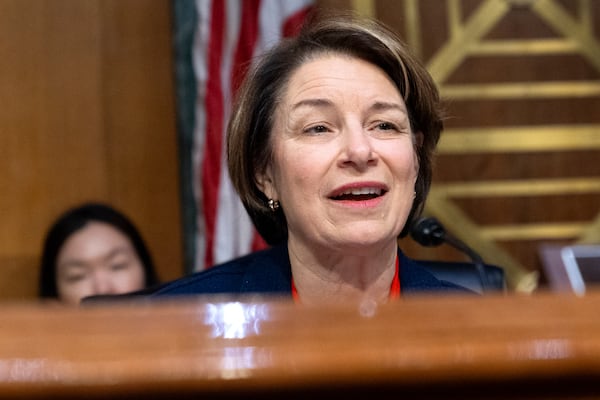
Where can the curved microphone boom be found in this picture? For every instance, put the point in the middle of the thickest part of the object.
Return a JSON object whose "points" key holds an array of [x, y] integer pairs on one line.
{"points": [[430, 232]]}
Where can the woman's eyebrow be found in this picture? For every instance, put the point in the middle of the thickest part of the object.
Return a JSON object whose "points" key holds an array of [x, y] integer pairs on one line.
{"points": [[384, 105], [318, 102], [117, 251], [71, 264]]}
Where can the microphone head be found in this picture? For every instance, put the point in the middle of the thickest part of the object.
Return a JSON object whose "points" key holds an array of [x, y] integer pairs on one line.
{"points": [[428, 232]]}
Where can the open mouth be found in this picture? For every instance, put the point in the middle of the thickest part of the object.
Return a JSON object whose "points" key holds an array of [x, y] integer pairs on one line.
{"points": [[359, 194]]}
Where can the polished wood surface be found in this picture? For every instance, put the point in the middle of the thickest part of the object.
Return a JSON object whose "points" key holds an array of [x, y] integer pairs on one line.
{"points": [[512, 346]]}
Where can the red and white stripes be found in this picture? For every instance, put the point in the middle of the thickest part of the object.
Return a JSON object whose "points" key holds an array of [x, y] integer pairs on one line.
{"points": [[230, 33]]}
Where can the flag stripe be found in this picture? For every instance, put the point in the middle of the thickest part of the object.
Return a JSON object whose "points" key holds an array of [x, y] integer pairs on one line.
{"points": [[247, 41], [234, 227], [200, 67], [292, 25], [214, 127], [230, 34], [244, 53]]}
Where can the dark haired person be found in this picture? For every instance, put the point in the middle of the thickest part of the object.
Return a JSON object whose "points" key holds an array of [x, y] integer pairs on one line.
{"points": [[93, 249], [330, 147]]}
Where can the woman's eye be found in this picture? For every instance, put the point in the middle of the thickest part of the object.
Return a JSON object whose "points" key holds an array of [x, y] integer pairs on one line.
{"points": [[74, 278], [119, 266], [316, 130], [386, 126]]}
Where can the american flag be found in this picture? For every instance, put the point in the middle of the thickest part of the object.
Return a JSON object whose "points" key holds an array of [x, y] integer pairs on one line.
{"points": [[228, 35]]}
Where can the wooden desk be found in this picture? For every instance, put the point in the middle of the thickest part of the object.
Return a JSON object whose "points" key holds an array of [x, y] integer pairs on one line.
{"points": [[537, 346]]}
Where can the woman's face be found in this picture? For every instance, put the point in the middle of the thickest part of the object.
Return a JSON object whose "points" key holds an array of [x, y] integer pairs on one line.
{"points": [[97, 259], [344, 165]]}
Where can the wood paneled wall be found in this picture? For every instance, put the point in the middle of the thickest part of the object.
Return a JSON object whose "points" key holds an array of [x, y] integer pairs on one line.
{"points": [[87, 112]]}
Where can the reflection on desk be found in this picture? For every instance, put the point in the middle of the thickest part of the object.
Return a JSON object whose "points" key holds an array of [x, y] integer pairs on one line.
{"points": [[512, 346]]}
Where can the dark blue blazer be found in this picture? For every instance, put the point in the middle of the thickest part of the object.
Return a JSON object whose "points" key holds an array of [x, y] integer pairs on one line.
{"points": [[269, 272]]}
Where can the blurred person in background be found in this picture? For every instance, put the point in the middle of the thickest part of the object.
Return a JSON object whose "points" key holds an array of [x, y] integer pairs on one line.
{"points": [[93, 249]]}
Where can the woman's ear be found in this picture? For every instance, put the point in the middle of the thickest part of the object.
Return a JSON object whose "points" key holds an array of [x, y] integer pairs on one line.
{"points": [[265, 183], [419, 138]]}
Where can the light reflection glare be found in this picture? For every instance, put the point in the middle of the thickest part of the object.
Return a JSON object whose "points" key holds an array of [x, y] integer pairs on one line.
{"points": [[548, 349], [235, 320], [237, 362], [23, 370]]}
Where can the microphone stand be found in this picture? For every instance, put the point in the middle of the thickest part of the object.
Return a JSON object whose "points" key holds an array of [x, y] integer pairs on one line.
{"points": [[430, 232]]}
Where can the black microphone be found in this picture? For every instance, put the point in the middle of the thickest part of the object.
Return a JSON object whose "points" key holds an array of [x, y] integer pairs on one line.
{"points": [[430, 232]]}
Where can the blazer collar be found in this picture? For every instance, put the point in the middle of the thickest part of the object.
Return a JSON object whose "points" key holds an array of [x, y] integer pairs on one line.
{"points": [[270, 272]]}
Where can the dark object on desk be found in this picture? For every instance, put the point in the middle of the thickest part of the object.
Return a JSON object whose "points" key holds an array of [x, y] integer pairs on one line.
{"points": [[477, 276], [467, 275]]}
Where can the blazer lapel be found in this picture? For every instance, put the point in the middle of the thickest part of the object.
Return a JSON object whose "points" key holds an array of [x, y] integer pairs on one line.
{"points": [[269, 272]]}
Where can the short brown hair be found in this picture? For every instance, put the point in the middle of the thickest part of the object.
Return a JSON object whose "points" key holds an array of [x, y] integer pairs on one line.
{"points": [[249, 148]]}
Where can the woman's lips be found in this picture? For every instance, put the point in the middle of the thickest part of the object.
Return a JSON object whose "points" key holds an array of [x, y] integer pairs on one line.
{"points": [[358, 192]]}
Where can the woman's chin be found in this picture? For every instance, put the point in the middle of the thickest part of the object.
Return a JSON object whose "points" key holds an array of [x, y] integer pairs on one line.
{"points": [[363, 241]]}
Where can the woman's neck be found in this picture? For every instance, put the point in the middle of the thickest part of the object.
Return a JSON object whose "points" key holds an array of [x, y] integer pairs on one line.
{"points": [[341, 276]]}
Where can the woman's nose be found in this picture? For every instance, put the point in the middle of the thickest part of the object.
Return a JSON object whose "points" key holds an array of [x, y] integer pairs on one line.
{"points": [[358, 148], [102, 283]]}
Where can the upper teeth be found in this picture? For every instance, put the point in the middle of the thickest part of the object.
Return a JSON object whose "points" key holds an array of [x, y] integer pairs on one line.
{"points": [[359, 191]]}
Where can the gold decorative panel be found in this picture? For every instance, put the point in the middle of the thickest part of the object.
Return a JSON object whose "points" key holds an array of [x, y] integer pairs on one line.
{"points": [[519, 161]]}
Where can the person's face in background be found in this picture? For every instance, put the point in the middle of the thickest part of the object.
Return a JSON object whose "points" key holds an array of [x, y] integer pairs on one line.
{"points": [[97, 259], [344, 164]]}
